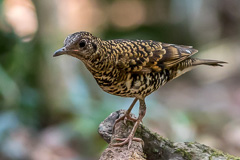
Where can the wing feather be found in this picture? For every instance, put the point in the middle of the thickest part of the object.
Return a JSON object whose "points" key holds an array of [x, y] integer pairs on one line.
{"points": [[153, 56]]}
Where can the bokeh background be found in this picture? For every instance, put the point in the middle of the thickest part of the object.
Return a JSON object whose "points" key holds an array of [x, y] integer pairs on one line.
{"points": [[50, 108]]}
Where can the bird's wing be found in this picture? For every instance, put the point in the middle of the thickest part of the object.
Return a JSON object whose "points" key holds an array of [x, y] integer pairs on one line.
{"points": [[150, 56]]}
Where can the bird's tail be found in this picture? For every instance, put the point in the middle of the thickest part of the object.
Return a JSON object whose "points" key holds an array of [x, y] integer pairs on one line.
{"points": [[196, 61], [191, 63]]}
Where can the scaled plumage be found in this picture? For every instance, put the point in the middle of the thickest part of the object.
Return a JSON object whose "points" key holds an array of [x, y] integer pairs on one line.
{"points": [[131, 68]]}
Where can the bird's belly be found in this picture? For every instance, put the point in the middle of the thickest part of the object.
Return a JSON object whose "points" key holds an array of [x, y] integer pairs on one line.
{"points": [[135, 85]]}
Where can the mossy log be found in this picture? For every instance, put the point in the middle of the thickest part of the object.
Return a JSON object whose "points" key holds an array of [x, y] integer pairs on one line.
{"points": [[155, 147]]}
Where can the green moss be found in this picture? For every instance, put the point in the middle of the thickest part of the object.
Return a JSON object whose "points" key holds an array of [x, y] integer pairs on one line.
{"points": [[216, 153], [186, 155], [189, 144], [155, 150]]}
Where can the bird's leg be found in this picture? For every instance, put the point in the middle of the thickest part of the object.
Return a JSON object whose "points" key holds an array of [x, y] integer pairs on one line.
{"points": [[127, 116], [130, 138]]}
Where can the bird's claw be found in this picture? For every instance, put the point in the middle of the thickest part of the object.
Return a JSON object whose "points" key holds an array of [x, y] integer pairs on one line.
{"points": [[127, 140]]}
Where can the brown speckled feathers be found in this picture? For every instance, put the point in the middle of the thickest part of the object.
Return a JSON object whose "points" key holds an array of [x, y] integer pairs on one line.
{"points": [[149, 56]]}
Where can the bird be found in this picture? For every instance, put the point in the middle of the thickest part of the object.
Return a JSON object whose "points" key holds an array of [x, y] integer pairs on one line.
{"points": [[131, 68]]}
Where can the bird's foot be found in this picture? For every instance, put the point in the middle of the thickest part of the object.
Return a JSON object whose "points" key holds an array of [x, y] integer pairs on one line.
{"points": [[125, 117], [127, 140], [131, 137]]}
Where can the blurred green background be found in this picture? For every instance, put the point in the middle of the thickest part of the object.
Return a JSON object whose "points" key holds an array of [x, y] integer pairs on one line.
{"points": [[50, 108]]}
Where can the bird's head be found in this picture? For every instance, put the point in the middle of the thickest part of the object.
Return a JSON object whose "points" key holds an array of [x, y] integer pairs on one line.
{"points": [[81, 45]]}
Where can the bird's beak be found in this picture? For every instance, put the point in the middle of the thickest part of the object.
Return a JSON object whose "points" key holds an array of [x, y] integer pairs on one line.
{"points": [[59, 52]]}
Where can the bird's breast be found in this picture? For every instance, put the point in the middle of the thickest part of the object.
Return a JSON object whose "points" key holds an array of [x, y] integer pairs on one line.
{"points": [[131, 85]]}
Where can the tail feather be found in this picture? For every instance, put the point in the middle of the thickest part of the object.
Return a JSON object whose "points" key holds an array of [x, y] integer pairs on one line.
{"points": [[191, 63], [207, 62]]}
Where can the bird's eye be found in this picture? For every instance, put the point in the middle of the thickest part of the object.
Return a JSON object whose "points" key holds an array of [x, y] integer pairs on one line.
{"points": [[82, 43]]}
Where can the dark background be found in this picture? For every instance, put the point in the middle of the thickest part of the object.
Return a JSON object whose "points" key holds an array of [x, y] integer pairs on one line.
{"points": [[50, 108]]}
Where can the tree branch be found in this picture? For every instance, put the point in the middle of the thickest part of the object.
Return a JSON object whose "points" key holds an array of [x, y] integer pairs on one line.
{"points": [[155, 147]]}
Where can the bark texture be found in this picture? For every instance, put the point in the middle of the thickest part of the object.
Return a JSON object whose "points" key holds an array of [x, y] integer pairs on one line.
{"points": [[155, 147]]}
